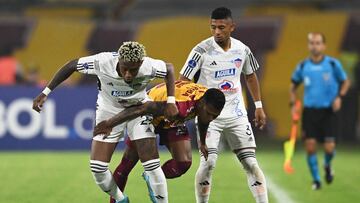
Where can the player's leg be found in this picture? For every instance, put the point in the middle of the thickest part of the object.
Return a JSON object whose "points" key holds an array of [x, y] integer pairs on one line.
{"points": [[203, 176], [330, 127], [310, 120], [128, 162], [177, 140], [241, 140], [101, 153], [141, 132]]}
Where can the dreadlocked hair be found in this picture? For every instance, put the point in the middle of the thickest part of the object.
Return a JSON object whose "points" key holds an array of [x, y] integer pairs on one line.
{"points": [[132, 52]]}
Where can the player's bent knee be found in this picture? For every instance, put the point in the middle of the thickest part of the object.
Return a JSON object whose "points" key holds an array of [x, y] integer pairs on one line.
{"points": [[210, 163], [183, 167], [248, 160]]}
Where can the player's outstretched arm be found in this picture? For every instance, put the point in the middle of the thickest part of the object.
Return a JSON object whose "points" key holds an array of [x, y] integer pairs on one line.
{"points": [[171, 110], [106, 126], [62, 74], [254, 89]]}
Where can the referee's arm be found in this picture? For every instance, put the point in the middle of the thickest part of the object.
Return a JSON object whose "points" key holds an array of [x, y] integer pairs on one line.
{"points": [[293, 87], [344, 87]]}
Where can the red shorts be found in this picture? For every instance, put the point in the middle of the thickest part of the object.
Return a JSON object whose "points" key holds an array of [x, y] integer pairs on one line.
{"points": [[172, 134], [168, 135]]}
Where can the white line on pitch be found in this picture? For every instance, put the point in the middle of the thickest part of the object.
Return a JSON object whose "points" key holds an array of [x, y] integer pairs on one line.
{"points": [[280, 194]]}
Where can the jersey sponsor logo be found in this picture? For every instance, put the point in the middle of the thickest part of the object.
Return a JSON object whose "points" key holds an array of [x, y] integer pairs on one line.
{"points": [[227, 86], [237, 62], [192, 63], [116, 93], [110, 84], [224, 73]]}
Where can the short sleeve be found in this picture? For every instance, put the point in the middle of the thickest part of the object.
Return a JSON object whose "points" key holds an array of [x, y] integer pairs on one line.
{"points": [[250, 64], [86, 65], [339, 71], [297, 76], [159, 68], [193, 62]]}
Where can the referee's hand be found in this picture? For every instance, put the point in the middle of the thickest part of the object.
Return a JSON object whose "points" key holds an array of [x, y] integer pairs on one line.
{"points": [[336, 106], [260, 118]]}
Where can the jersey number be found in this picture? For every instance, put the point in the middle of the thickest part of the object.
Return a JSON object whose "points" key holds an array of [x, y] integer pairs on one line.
{"points": [[248, 130], [146, 121]]}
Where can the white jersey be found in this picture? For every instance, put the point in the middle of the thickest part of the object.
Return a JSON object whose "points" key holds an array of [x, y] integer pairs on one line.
{"points": [[222, 70], [114, 93]]}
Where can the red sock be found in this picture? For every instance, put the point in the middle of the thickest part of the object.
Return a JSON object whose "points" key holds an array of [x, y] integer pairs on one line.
{"points": [[174, 169], [121, 174]]}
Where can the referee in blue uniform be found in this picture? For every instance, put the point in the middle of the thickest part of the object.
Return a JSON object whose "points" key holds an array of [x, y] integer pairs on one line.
{"points": [[325, 84]]}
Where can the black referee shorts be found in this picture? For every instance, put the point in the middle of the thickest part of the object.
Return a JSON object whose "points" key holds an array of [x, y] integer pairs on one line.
{"points": [[320, 124]]}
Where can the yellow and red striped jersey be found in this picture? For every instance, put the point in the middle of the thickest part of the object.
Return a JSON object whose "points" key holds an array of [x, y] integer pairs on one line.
{"points": [[186, 95]]}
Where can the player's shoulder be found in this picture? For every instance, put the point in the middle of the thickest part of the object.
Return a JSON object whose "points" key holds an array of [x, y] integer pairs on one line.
{"points": [[153, 61], [105, 62], [239, 45], [149, 63], [332, 60], [107, 56], [301, 64], [151, 66], [204, 46]]}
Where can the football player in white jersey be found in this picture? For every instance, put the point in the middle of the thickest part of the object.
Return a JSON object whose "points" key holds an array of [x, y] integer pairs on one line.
{"points": [[122, 79], [221, 59]]}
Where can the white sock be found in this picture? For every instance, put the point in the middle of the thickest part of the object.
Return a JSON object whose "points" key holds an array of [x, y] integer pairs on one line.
{"points": [[203, 177], [157, 180], [104, 179], [255, 176]]}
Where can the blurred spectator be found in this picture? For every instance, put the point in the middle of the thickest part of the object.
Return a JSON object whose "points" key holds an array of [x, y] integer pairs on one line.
{"points": [[33, 77], [10, 68]]}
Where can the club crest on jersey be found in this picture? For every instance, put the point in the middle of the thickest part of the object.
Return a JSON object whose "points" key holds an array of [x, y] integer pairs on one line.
{"points": [[116, 93], [226, 85], [223, 73], [192, 63], [237, 62]]}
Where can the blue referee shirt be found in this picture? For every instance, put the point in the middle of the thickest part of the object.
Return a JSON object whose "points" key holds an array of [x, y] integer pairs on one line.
{"points": [[321, 81]]}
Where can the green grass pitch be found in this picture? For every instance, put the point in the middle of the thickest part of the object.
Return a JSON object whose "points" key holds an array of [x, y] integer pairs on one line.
{"points": [[53, 177]]}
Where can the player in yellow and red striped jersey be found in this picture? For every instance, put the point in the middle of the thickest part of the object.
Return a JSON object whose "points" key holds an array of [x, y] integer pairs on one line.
{"points": [[192, 100]]}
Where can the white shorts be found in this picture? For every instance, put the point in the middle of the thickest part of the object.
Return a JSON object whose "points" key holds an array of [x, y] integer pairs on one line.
{"points": [[238, 134], [138, 128]]}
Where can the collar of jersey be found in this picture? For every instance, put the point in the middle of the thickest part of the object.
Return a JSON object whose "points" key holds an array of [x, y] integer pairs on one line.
{"points": [[218, 48]]}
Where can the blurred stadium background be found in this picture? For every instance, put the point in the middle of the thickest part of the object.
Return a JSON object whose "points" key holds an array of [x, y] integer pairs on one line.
{"points": [[37, 158]]}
